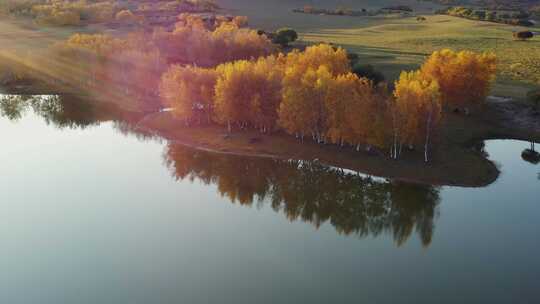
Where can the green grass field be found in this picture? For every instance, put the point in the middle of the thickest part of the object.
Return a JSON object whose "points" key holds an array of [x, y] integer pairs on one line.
{"points": [[390, 43], [393, 45]]}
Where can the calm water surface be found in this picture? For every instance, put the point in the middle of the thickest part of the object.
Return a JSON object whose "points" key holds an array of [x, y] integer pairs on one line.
{"points": [[95, 212]]}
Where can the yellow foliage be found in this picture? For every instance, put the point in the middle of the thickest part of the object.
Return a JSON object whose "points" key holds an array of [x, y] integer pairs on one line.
{"points": [[464, 77], [249, 92], [302, 110], [417, 106], [335, 59], [189, 91]]}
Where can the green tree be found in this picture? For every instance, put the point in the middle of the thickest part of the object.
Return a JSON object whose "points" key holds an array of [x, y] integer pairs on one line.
{"points": [[285, 36]]}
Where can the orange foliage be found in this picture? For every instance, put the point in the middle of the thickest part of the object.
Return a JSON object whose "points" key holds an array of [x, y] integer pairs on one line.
{"points": [[249, 92], [418, 109], [308, 77], [464, 77], [192, 42], [189, 91]]}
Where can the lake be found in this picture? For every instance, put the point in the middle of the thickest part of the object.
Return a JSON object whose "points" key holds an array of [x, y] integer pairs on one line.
{"points": [[96, 211]]}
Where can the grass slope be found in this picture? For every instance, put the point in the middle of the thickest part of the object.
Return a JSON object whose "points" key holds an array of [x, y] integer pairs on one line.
{"points": [[402, 44]]}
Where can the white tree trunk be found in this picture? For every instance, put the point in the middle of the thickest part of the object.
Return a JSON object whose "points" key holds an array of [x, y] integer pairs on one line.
{"points": [[428, 129]]}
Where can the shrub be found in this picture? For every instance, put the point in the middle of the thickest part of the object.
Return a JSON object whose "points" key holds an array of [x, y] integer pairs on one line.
{"points": [[369, 72], [523, 35], [285, 36]]}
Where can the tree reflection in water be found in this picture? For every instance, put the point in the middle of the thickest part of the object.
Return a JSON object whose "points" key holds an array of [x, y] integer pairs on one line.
{"points": [[54, 109], [307, 191], [531, 155], [70, 112], [314, 193]]}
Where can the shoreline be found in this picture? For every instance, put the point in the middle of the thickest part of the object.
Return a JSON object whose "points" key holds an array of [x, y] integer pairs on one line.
{"points": [[456, 161], [215, 139]]}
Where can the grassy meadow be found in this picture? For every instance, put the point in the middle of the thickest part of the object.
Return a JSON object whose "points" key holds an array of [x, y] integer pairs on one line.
{"points": [[393, 44], [399, 44]]}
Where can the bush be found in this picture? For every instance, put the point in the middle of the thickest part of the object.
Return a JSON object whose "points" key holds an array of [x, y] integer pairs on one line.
{"points": [[480, 15], [523, 35], [369, 72], [285, 36]]}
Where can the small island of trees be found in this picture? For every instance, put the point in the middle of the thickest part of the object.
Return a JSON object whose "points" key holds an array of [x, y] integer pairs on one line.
{"points": [[217, 71], [315, 94]]}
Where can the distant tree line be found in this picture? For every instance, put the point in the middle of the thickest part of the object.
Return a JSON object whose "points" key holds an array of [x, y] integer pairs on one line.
{"points": [[74, 13], [343, 11], [519, 18]]}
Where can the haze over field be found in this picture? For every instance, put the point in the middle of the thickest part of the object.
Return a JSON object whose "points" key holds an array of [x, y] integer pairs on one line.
{"points": [[274, 14], [269, 152]]}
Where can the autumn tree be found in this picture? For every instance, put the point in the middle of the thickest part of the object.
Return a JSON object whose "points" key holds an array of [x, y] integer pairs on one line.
{"points": [[308, 77], [303, 110], [335, 59], [192, 42], [337, 102], [353, 112], [367, 115], [248, 93], [418, 105], [233, 43], [464, 77], [189, 91]]}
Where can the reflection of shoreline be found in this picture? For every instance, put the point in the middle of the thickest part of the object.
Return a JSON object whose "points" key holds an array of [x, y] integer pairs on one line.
{"points": [[160, 125], [278, 146], [314, 193], [411, 170], [307, 191]]}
